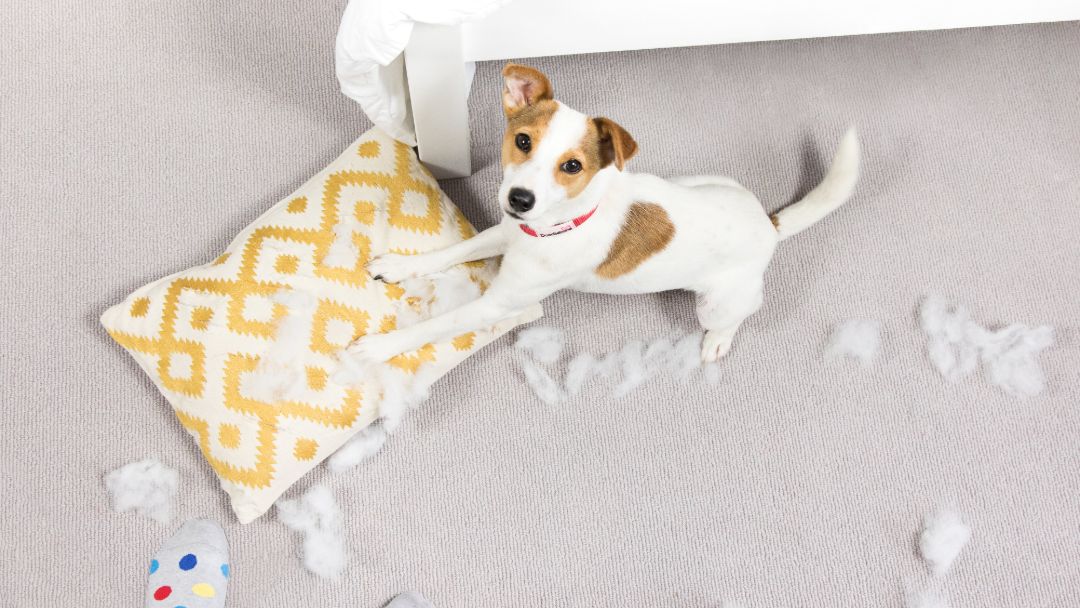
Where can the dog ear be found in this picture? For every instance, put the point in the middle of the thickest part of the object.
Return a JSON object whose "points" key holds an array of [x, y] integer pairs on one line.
{"points": [[616, 145], [524, 87]]}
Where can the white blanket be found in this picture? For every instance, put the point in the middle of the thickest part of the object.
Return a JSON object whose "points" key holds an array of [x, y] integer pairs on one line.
{"points": [[370, 41]]}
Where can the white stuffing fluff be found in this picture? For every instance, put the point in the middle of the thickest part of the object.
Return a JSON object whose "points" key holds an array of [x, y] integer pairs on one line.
{"points": [[678, 355], [943, 536], [630, 367], [367, 442], [454, 288], [541, 382], [399, 393], [858, 339], [957, 344], [410, 599], [1009, 358], [951, 351], [279, 376], [926, 598], [580, 369], [146, 487], [317, 516], [545, 344], [342, 252]]}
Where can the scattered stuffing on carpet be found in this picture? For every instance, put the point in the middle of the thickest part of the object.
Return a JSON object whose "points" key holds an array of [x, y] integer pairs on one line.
{"points": [[399, 392], [545, 344], [931, 597], [630, 367], [541, 382], [858, 339], [958, 344], [581, 367], [367, 442], [943, 536], [146, 487], [317, 516]]}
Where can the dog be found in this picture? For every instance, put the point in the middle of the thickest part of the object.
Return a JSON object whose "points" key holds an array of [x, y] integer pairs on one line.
{"points": [[574, 218]]}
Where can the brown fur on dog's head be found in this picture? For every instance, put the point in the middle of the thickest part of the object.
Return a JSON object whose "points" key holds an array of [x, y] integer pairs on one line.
{"points": [[523, 87], [567, 165]]}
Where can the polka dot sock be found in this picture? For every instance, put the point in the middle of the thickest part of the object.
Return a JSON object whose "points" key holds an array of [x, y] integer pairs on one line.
{"points": [[191, 570]]}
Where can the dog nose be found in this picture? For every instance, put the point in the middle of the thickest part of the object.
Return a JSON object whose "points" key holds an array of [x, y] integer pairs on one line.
{"points": [[521, 200]]}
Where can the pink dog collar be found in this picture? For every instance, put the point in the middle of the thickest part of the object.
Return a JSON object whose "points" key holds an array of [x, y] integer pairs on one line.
{"points": [[558, 228]]}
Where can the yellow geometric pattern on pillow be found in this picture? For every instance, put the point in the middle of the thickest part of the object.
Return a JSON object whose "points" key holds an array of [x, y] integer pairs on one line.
{"points": [[260, 475], [202, 334]]}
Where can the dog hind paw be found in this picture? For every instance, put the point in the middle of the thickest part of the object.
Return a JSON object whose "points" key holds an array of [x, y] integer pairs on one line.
{"points": [[715, 345]]}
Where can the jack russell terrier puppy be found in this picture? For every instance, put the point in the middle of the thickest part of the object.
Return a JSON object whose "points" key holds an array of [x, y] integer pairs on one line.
{"points": [[574, 219]]}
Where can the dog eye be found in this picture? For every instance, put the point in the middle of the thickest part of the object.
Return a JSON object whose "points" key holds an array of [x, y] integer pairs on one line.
{"points": [[523, 142], [571, 166]]}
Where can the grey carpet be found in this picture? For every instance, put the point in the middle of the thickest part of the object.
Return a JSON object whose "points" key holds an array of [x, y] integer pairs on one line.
{"points": [[136, 139]]}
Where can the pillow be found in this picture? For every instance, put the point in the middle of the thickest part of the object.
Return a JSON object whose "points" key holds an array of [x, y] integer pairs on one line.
{"points": [[246, 348]]}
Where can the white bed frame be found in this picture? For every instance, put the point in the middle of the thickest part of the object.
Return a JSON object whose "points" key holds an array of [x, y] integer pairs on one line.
{"points": [[439, 60]]}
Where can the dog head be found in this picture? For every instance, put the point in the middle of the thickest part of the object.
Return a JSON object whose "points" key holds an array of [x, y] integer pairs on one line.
{"points": [[551, 153]]}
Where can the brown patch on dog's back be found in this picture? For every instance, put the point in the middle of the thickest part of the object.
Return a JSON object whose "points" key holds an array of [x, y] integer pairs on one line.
{"points": [[532, 121], [646, 231], [775, 219]]}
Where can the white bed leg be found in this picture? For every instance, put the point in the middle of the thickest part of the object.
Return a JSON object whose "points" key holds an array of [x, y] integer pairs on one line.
{"points": [[439, 82]]}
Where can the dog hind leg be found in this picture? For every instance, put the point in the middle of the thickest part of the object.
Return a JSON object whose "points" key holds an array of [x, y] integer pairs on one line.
{"points": [[721, 309]]}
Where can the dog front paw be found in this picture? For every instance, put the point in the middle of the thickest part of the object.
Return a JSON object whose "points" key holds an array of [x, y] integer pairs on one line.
{"points": [[375, 348], [394, 268]]}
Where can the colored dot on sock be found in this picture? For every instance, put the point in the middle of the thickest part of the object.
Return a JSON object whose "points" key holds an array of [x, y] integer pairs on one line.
{"points": [[203, 590], [188, 562], [153, 566], [162, 592], [225, 570]]}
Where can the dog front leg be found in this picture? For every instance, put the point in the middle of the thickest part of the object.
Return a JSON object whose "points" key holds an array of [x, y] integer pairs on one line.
{"points": [[393, 267], [483, 312]]}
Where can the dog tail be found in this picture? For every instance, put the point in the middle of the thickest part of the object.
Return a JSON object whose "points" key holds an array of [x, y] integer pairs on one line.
{"points": [[832, 192]]}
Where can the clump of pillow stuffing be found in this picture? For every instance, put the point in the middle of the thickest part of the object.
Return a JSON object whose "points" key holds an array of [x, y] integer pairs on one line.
{"points": [[858, 339], [1009, 356], [147, 487], [317, 517]]}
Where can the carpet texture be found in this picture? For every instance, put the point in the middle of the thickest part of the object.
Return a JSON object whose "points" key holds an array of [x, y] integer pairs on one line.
{"points": [[136, 140]]}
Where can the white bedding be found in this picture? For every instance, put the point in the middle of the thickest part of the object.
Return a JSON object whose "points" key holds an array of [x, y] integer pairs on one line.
{"points": [[370, 41]]}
